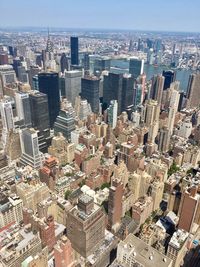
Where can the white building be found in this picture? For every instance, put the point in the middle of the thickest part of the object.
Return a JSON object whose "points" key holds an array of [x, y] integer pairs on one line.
{"points": [[31, 155], [23, 107], [11, 210], [112, 113]]}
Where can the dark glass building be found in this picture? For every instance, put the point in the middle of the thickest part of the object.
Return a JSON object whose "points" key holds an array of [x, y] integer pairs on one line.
{"points": [[127, 92], [74, 50], [90, 91], [86, 64], [112, 89], [39, 111], [170, 77], [64, 124], [40, 119], [49, 85], [64, 62], [101, 64], [119, 87], [16, 64], [136, 67]]}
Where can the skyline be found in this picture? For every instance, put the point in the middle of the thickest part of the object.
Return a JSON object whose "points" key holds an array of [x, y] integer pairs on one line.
{"points": [[181, 16]]}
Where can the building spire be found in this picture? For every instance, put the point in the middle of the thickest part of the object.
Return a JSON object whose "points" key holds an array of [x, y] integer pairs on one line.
{"points": [[49, 47]]}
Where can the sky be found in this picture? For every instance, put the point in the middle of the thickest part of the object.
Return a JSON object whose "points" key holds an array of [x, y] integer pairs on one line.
{"points": [[158, 15]]}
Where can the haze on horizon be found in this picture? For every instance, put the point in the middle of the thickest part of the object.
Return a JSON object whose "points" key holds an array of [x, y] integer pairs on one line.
{"points": [[171, 15]]}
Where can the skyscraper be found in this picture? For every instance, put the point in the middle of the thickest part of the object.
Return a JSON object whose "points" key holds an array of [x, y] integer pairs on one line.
{"points": [[39, 110], [22, 74], [49, 47], [74, 50], [115, 205], [86, 64], [136, 67], [90, 91], [112, 113], [7, 74], [164, 139], [112, 89], [64, 124], [188, 208], [7, 114], [31, 155], [170, 77], [157, 88], [193, 91], [101, 64], [72, 84], [127, 91], [49, 85], [86, 226], [152, 110], [63, 253], [23, 107], [64, 64]]}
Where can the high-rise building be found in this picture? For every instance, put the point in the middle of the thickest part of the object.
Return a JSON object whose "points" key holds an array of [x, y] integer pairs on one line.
{"points": [[173, 108], [49, 85], [86, 226], [62, 149], [3, 59], [64, 124], [34, 70], [86, 64], [64, 63], [35, 83], [157, 88], [164, 139], [10, 210], [82, 108], [73, 84], [23, 108], [16, 64], [115, 205], [39, 110], [193, 91], [7, 114], [136, 67], [62, 86], [170, 77], [30, 149], [188, 208], [64, 253], [112, 113], [7, 74], [152, 110], [22, 74], [74, 50], [118, 87], [12, 51], [112, 89], [101, 64], [90, 91], [127, 91]]}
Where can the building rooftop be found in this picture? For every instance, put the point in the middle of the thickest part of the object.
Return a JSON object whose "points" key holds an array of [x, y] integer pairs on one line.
{"points": [[139, 252], [15, 239], [178, 238]]}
